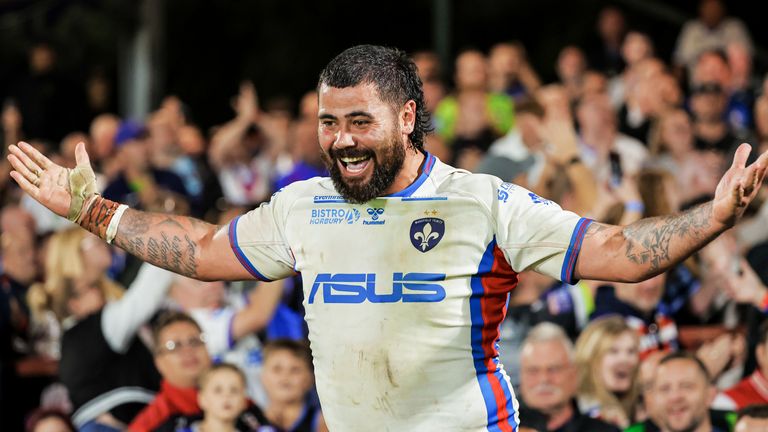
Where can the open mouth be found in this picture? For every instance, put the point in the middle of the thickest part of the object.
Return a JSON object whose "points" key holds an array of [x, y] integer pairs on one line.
{"points": [[678, 411], [622, 374], [355, 165]]}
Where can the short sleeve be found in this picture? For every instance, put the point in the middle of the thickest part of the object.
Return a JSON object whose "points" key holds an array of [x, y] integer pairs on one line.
{"points": [[536, 234], [258, 240]]}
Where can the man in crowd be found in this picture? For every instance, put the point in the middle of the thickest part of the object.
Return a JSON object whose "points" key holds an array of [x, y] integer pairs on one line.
{"points": [[681, 393], [548, 378]]}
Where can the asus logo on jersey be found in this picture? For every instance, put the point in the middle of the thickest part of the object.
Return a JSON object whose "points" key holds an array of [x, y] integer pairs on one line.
{"points": [[359, 287]]}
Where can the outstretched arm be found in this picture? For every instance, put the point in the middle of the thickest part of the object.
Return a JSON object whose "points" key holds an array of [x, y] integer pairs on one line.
{"points": [[651, 246], [180, 244]]}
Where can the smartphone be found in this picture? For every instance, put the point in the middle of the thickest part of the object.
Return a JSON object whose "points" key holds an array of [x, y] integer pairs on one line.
{"points": [[616, 173]]}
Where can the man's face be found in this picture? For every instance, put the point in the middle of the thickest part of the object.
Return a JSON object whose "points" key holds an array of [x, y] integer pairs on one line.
{"points": [[133, 154], [596, 113], [505, 60], [708, 106], [547, 376], [711, 12], [531, 130], [471, 71], [362, 141], [180, 354], [18, 251], [681, 395]]}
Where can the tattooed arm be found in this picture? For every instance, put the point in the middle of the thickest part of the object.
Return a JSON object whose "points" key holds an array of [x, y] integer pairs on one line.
{"points": [[645, 248], [183, 245], [180, 244], [651, 246]]}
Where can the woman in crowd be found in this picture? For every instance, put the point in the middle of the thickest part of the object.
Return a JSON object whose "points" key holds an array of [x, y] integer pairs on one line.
{"points": [[608, 358], [107, 369], [71, 254]]}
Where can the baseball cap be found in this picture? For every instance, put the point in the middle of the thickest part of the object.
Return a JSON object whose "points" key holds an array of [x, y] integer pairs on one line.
{"points": [[129, 130]]}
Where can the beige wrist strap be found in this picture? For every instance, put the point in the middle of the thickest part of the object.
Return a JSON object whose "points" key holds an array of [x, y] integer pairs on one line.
{"points": [[82, 186]]}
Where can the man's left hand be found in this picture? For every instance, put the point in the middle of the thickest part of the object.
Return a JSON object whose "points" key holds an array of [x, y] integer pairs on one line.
{"points": [[738, 187]]}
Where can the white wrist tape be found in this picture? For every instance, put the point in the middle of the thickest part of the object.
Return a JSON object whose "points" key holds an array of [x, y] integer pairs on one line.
{"points": [[112, 228]]}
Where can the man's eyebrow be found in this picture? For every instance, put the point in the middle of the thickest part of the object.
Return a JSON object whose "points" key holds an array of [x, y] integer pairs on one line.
{"points": [[359, 114], [327, 116]]}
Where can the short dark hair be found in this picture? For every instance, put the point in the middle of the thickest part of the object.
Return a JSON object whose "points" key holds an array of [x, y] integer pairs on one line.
{"points": [[754, 411], [685, 355], [392, 72], [218, 367], [530, 106], [171, 317], [297, 348]]}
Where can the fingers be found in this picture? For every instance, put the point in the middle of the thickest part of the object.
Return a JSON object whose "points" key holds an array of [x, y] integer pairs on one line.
{"points": [[749, 179], [762, 164], [81, 156], [754, 175], [38, 157], [21, 168], [741, 156], [26, 186], [25, 160]]}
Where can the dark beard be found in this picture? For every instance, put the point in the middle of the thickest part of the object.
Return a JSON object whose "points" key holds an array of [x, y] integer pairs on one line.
{"points": [[384, 171]]}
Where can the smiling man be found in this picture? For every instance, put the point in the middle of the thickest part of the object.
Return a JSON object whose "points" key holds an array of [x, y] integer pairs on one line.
{"points": [[681, 393], [548, 376], [403, 314]]}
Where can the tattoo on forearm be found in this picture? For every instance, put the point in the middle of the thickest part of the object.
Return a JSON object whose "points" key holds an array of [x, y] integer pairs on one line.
{"points": [[161, 240], [648, 241], [595, 228]]}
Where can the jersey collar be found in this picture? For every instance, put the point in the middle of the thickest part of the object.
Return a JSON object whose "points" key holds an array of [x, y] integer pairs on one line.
{"points": [[429, 163]]}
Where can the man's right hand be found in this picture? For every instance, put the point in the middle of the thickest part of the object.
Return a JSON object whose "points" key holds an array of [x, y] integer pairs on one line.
{"points": [[63, 191]]}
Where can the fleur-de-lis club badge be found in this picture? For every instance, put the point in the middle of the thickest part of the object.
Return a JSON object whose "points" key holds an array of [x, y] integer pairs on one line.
{"points": [[426, 233]]}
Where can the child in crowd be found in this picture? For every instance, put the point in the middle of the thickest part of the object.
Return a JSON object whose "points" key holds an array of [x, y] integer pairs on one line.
{"points": [[222, 398], [288, 378]]}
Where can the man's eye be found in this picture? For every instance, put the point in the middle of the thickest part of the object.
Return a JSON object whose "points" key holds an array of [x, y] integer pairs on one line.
{"points": [[360, 122]]}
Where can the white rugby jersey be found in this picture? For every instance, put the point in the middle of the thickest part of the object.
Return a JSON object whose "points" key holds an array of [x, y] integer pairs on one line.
{"points": [[404, 295]]}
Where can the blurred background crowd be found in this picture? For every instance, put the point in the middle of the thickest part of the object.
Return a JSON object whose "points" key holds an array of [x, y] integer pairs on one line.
{"points": [[622, 126]]}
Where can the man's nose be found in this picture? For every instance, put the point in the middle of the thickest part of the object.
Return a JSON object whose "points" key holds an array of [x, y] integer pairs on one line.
{"points": [[343, 139]]}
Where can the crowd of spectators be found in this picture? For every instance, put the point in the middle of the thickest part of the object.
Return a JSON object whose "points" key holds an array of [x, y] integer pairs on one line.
{"points": [[94, 340]]}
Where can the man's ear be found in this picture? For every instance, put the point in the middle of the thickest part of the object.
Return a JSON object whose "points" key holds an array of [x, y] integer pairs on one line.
{"points": [[408, 117]]}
